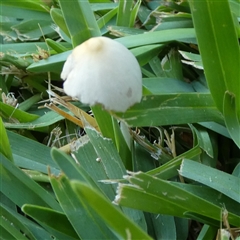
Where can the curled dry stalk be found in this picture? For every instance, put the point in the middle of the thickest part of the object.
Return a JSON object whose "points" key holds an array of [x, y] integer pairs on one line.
{"points": [[80, 118], [170, 141], [225, 222]]}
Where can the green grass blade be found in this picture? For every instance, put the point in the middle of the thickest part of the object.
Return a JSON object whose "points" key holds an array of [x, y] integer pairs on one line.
{"points": [[163, 85], [71, 169], [5, 234], [24, 10], [145, 53], [207, 232], [12, 224], [185, 34], [124, 31], [43, 121], [110, 129], [5, 147], [23, 48], [222, 182], [214, 32], [7, 59], [120, 224], [220, 129], [134, 13], [27, 4], [14, 182], [106, 18], [204, 140], [114, 170], [170, 109], [25, 157], [33, 29], [112, 165], [14, 113], [170, 169], [58, 47], [82, 218], [28, 228], [52, 64], [80, 20], [28, 103], [159, 196], [58, 18], [126, 14], [47, 218], [160, 221], [55, 63], [231, 118], [91, 164], [104, 120], [122, 147], [10, 232]]}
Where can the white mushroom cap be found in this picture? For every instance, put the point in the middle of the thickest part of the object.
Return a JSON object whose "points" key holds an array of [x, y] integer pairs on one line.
{"points": [[103, 71]]}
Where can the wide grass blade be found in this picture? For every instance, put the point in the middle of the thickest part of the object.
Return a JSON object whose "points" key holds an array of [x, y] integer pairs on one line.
{"points": [[170, 109], [25, 226], [80, 20], [154, 195], [163, 85], [115, 219], [55, 63], [185, 34], [116, 168], [24, 156], [78, 212], [13, 225], [47, 218], [52, 64], [219, 48], [10, 232], [24, 9], [110, 129], [222, 182], [14, 182], [110, 165], [92, 165], [71, 168]]}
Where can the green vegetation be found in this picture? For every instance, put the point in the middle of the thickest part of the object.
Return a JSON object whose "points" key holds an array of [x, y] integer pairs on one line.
{"points": [[167, 168]]}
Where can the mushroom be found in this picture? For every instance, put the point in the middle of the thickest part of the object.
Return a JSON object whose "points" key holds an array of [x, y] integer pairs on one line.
{"points": [[103, 71]]}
